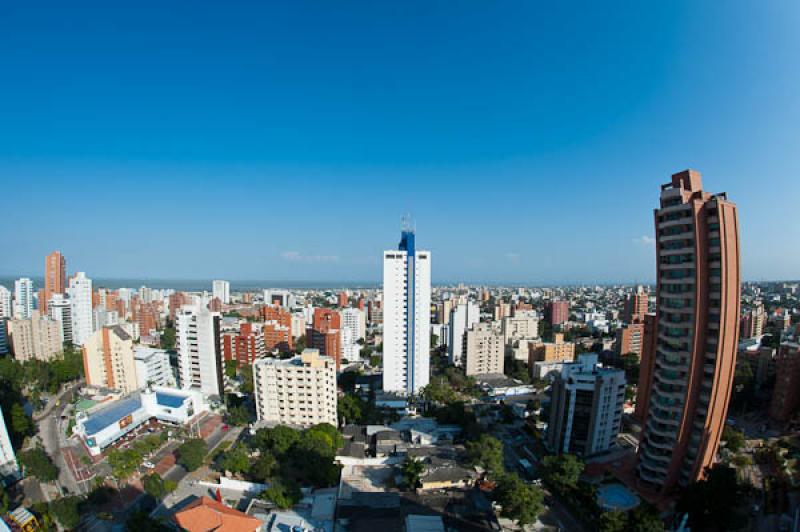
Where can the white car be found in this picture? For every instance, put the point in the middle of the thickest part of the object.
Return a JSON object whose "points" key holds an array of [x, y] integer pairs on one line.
{"points": [[148, 465]]}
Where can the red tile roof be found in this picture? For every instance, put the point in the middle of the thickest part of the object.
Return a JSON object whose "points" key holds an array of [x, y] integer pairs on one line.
{"points": [[205, 515]]}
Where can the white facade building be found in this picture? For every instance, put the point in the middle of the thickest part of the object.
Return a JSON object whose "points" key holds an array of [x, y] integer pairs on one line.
{"points": [[354, 327], [585, 407], [60, 309], [80, 295], [406, 316], [152, 367], [197, 338], [300, 391], [9, 467], [6, 310], [222, 291], [462, 318], [23, 298]]}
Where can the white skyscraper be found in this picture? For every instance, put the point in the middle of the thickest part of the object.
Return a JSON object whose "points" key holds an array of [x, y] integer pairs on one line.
{"points": [[23, 298], [222, 291], [406, 316], [6, 311], [462, 318], [80, 295], [197, 338], [9, 468], [354, 324], [60, 309]]}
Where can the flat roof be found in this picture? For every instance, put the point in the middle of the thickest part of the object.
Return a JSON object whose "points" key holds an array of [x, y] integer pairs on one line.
{"points": [[111, 414]]}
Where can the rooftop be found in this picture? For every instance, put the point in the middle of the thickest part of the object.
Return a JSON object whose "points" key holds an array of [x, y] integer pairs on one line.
{"points": [[111, 414]]}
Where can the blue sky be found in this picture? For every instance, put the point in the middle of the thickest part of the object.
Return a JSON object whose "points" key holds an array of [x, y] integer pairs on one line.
{"points": [[284, 140]]}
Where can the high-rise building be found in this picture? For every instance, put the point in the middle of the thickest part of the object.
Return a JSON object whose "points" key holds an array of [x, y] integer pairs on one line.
{"points": [[343, 300], [245, 347], [786, 394], [37, 338], [55, 278], [197, 338], [6, 310], [354, 325], [60, 309], [23, 298], [630, 337], [484, 349], [406, 316], [524, 325], [556, 311], [152, 367], [300, 391], [697, 319], [325, 333], [5, 348], [108, 360], [636, 305], [556, 351], [646, 367], [585, 407], [222, 291], [752, 322], [462, 318], [9, 467], [80, 294]]}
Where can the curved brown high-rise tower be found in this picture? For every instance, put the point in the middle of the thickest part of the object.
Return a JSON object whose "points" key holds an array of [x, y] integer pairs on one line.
{"points": [[697, 314]]}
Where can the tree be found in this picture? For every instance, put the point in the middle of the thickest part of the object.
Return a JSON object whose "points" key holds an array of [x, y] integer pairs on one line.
{"points": [[520, 502], [614, 521], [411, 471], [230, 368], [277, 439], [168, 336], [264, 467], [154, 485], [142, 522], [238, 415], [349, 409], [66, 511], [20, 422], [283, 494], [123, 463], [712, 503], [327, 433], [562, 472], [5, 502], [38, 464], [486, 452], [246, 376], [375, 361], [192, 453], [644, 518], [734, 439], [237, 460]]}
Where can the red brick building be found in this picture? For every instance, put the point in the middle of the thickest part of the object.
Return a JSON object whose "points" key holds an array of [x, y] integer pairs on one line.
{"points": [[244, 347], [325, 333], [786, 394], [556, 311]]}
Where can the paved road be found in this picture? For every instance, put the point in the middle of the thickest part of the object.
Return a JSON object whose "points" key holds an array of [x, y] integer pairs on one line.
{"points": [[52, 434]]}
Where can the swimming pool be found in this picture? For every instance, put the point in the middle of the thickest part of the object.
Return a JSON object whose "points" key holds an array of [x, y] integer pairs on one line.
{"points": [[616, 497]]}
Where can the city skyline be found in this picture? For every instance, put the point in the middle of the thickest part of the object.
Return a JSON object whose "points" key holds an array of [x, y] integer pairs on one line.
{"points": [[255, 127]]}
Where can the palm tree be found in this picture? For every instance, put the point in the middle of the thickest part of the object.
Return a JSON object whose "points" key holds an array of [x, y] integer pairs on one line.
{"points": [[412, 471]]}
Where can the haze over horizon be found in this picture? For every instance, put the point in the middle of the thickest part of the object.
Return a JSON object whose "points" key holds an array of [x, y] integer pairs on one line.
{"points": [[284, 142]]}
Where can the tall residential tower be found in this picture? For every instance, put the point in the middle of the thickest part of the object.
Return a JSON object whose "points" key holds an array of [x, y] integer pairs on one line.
{"points": [[406, 316], [697, 330]]}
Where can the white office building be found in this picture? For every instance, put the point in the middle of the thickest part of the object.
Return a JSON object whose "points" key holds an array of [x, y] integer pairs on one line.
{"points": [[152, 367], [197, 338], [6, 310], [354, 327], [282, 298], [60, 309], [23, 298], [222, 291], [585, 407], [9, 467], [406, 316], [80, 295], [462, 318], [299, 392]]}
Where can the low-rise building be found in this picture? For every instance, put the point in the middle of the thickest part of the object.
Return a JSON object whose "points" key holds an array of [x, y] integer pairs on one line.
{"points": [[556, 351], [300, 391]]}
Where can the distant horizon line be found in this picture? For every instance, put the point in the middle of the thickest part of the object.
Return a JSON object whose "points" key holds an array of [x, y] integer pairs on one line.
{"points": [[255, 284]]}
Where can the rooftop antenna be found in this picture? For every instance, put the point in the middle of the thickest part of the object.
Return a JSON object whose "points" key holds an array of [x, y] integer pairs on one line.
{"points": [[407, 224]]}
